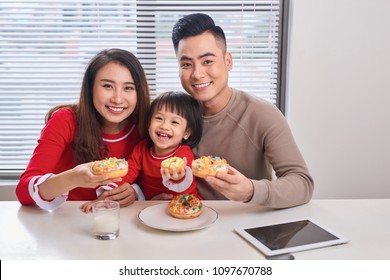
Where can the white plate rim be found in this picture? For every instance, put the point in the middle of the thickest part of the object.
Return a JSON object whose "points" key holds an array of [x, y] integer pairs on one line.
{"points": [[190, 228]]}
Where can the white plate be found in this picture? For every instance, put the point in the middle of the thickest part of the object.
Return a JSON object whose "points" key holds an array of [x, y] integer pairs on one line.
{"points": [[157, 216]]}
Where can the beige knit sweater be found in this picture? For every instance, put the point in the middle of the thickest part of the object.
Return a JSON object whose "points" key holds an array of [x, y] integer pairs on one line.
{"points": [[255, 138]]}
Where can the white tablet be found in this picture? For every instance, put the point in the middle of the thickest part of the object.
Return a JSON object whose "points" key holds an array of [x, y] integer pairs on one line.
{"points": [[291, 236]]}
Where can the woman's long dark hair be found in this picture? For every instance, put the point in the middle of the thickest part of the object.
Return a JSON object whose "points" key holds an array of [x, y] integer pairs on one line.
{"points": [[88, 144]]}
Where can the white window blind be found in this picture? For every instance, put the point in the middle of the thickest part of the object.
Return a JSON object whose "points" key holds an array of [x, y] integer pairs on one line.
{"points": [[45, 46]]}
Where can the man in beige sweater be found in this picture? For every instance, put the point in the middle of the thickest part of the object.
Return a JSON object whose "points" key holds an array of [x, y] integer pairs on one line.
{"points": [[250, 133]]}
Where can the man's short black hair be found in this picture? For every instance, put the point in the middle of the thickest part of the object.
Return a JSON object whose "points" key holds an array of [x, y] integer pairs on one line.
{"points": [[196, 24]]}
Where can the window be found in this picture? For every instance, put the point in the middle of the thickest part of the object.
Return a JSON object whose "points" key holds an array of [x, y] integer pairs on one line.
{"points": [[45, 46]]}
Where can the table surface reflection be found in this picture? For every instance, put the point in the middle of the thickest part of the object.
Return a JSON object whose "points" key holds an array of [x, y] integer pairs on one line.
{"points": [[29, 232]]}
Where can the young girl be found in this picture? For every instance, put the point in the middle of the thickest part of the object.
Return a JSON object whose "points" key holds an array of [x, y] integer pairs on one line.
{"points": [[175, 126], [108, 121]]}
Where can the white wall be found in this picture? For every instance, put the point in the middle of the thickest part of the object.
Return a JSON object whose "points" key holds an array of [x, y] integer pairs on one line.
{"points": [[339, 94]]}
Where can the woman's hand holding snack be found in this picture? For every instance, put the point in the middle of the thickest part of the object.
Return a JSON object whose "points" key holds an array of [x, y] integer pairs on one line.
{"points": [[84, 177]]}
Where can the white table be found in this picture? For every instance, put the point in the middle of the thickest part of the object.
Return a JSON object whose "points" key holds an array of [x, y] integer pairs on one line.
{"points": [[28, 232]]}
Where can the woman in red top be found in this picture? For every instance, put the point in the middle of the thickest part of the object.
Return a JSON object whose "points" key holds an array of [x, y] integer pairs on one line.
{"points": [[108, 121]]}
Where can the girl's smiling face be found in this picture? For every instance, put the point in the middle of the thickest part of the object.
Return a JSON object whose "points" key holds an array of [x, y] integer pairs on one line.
{"points": [[114, 96], [167, 131]]}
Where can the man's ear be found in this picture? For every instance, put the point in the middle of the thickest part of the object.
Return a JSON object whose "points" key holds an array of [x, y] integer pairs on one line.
{"points": [[229, 60]]}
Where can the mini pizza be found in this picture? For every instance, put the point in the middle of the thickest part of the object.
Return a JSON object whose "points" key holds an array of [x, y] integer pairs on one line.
{"points": [[209, 166], [112, 166], [185, 206]]}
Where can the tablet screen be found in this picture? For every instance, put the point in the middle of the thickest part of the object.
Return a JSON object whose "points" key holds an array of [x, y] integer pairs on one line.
{"points": [[290, 237], [290, 234]]}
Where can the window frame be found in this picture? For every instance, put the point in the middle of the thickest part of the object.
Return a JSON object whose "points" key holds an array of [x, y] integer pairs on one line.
{"points": [[151, 63]]}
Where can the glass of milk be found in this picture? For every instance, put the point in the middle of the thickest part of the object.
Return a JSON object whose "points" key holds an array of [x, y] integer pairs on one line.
{"points": [[106, 219]]}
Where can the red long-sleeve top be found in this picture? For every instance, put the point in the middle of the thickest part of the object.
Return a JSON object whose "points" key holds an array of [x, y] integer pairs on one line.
{"points": [[145, 163], [54, 154]]}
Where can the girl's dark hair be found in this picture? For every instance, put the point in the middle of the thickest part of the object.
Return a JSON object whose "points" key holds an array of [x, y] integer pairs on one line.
{"points": [[196, 24], [184, 105], [88, 144]]}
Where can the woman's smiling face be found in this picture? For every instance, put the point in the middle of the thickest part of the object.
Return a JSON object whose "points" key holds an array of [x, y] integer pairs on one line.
{"points": [[114, 96]]}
